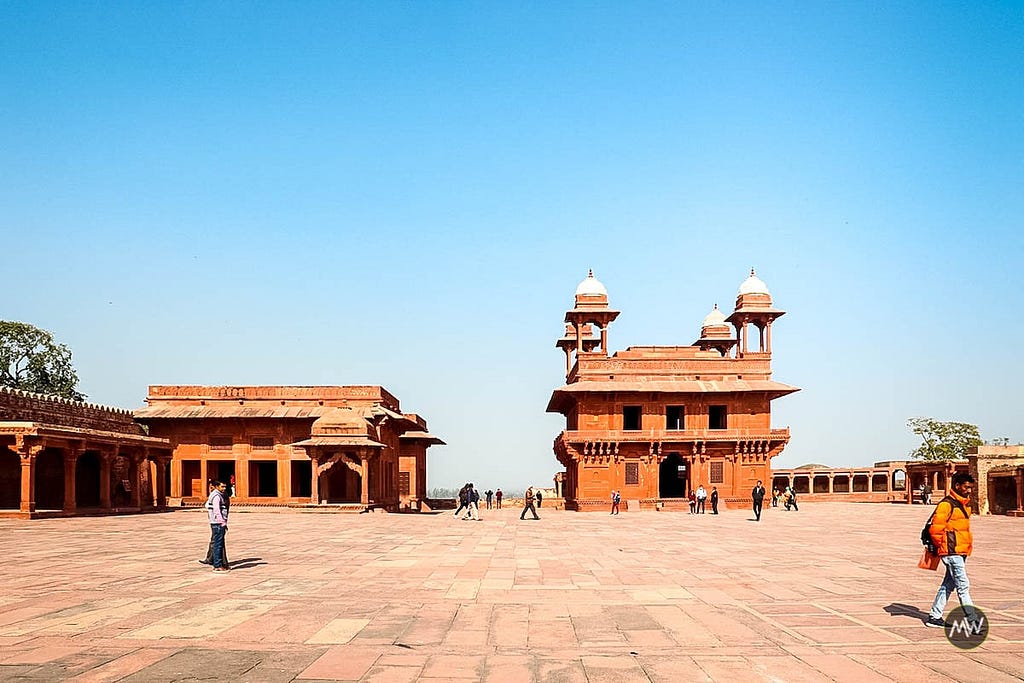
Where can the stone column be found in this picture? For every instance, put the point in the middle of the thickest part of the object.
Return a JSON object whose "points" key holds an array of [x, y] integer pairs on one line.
{"points": [[71, 454], [135, 461], [1019, 478], [768, 337], [162, 465], [28, 454], [831, 482], [314, 496], [105, 457], [871, 481], [364, 496]]}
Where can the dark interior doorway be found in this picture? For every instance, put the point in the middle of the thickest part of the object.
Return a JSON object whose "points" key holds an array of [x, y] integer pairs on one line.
{"points": [[87, 480], [673, 477], [10, 479]]}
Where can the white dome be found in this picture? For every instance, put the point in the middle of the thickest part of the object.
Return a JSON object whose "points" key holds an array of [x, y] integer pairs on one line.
{"points": [[715, 317], [753, 285], [591, 286]]}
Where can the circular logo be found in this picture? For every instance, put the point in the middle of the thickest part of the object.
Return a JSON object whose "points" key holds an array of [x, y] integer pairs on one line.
{"points": [[966, 628]]}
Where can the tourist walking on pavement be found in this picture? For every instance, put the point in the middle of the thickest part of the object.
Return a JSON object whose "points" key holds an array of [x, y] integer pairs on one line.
{"points": [[463, 499], [714, 500], [775, 497], [474, 503], [540, 497], [757, 494], [693, 502], [950, 533], [702, 495], [528, 504], [488, 493], [218, 513], [223, 547], [616, 499], [497, 498]]}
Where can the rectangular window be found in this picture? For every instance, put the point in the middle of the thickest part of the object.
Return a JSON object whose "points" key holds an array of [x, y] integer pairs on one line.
{"points": [[403, 483], [263, 443], [632, 473], [717, 417], [717, 473], [220, 443], [631, 418], [674, 417]]}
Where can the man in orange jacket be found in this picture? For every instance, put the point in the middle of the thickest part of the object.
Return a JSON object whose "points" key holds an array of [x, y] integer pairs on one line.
{"points": [[951, 534]]}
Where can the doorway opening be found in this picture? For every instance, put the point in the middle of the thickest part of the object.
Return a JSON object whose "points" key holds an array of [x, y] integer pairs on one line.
{"points": [[673, 477]]}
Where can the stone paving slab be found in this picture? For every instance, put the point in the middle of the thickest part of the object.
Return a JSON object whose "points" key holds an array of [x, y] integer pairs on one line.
{"points": [[829, 593]]}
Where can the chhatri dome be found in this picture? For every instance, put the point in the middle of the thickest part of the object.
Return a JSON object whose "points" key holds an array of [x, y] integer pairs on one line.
{"points": [[715, 317], [591, 287], [753, 285]]}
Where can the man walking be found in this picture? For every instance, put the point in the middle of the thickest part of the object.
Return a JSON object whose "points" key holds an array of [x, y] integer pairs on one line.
{"points": [[218, 512], [714, 500], [702, 496], [489, 493], [540, 497], [950, 532], [616, 499], [528, 504], [757, 494], [463, 500], [497, 498]]}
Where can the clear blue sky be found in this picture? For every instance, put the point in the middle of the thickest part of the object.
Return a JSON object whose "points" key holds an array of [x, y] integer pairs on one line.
{"points": [[407, 194]]}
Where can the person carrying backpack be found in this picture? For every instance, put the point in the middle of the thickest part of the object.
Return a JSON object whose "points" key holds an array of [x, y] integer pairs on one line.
{"points": [[950, 535]]}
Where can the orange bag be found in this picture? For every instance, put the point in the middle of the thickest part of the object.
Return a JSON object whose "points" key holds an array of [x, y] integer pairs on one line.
{"points": [[928, 561]]}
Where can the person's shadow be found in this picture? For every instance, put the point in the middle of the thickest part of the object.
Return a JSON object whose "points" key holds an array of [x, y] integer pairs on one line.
{"points": [[897, 609], [247, 563]]}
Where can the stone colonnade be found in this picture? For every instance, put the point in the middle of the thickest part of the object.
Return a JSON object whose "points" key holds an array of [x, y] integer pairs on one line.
{"points": [[145, 465]]}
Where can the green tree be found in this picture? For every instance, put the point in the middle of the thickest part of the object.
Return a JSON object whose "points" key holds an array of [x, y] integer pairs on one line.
{"points": [[31, 360], [943, 440]]}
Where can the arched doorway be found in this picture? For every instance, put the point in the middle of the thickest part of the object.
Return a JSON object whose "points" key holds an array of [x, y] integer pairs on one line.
{"points": [[673, 477], [342, 484], [87, 480], [10, 479], [50, 479]]}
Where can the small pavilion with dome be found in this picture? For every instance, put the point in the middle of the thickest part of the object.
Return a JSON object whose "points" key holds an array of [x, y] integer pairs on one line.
{"points": [[655, 422]]}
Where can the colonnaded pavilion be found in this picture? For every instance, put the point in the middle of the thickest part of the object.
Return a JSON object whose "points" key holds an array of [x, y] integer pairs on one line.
{"points": [[347, 448]]}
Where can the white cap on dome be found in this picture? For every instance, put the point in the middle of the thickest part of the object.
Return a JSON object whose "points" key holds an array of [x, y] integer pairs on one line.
{"points": [[753, 285], [591, 286], [715, 317]]}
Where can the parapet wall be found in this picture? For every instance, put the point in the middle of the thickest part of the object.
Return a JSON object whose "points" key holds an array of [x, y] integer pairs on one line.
{"points": [[25, 406]]}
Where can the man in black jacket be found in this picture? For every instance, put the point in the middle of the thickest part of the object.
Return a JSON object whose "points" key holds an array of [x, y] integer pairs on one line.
{"points": [[758, 495]]}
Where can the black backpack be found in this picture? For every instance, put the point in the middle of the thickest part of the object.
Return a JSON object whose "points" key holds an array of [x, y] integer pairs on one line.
{"points": [[926, 537]]}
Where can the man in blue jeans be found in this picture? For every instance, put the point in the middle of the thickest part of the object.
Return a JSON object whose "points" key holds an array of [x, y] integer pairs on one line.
{"points": [[950, 532], [218, 512]]}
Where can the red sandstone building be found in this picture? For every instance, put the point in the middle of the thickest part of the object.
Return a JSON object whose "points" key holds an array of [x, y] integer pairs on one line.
{"points": [[654, 422], [346, 446], [64, 458]]}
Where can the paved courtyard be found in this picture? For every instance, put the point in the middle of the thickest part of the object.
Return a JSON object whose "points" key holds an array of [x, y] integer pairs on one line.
{"points": [[828, 593]]}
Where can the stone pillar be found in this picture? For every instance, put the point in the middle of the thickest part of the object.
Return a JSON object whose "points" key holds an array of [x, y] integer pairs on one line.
{"points": [[871, 481], [364, 496], [105, 457], [314, 489], [162, 464], [71, 454], [831, 482], [768, 337], [204, 477], [28, 456], [135, 462], [1019, 478]]}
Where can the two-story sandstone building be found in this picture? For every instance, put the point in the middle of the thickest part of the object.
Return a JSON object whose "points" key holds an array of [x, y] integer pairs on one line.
{"points": [[654, 422]]}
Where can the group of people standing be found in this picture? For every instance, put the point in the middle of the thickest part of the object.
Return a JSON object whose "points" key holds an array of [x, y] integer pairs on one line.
{"points": [[698, 499]]}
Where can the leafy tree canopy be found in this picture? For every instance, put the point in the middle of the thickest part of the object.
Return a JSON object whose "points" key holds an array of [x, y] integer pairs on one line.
{"points": [[31, 360], [943, 440]]}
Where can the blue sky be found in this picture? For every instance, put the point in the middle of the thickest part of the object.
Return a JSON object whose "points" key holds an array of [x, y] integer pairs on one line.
{"points": [[407, 194]]}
